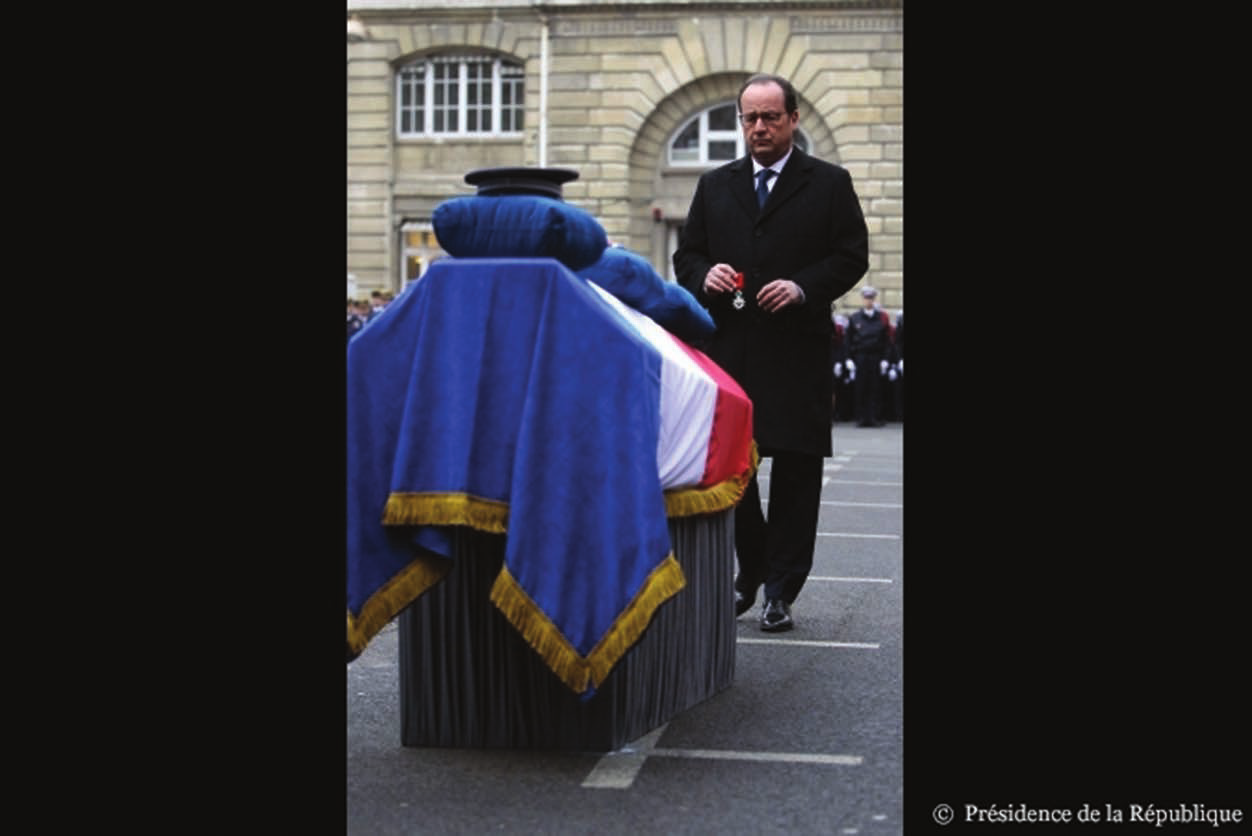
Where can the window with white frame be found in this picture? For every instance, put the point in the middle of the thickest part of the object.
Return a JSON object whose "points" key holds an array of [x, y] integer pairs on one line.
{"points": [[713, 137], [460, 96]]}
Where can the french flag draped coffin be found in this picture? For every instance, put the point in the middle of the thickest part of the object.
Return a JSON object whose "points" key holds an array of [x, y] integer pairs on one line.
{"points": [[513, 396]]}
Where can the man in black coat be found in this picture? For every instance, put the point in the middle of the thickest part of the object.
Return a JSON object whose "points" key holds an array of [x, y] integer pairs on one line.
{"points": [[869, 345], [771, 240]]}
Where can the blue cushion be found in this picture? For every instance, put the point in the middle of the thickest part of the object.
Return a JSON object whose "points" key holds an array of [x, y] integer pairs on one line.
{"points": [[631, 278], [518, 226]]}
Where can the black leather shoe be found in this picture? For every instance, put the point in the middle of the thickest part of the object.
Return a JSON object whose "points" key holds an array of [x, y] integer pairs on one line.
{"points": [[743, 603], [776, 617]]}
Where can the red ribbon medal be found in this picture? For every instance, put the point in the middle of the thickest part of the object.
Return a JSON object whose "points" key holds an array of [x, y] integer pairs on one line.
{"points": [[738, 303]]}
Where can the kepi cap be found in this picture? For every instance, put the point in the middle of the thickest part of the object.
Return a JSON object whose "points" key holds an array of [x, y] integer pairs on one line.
{"points": [[868, 292], [520, 180]]}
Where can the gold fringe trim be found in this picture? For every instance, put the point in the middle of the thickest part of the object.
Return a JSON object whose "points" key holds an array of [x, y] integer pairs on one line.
{"points": [[556, 651], [665, 581], [403, 589], [489, 515], [691, 501], [539, 631]]}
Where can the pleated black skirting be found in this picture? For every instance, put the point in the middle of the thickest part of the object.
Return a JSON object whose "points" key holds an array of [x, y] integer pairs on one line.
{"points": [[468, 678]]}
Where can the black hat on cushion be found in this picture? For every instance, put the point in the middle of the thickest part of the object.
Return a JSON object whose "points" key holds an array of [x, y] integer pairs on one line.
{"points": [[520, 180]]}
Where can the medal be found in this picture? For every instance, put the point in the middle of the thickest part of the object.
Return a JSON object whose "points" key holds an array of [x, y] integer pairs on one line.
{"points": [[738, 303]]}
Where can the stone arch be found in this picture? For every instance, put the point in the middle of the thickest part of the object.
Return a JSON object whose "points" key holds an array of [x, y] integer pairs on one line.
{"points": [[653, 187], [497, 36]]}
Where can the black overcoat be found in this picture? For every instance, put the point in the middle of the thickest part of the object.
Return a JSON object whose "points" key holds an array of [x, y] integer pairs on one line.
{"points": [[811, 231]]}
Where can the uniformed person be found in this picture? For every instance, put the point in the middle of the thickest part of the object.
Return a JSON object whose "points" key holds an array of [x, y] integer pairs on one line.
{"points": [[869, 345]]}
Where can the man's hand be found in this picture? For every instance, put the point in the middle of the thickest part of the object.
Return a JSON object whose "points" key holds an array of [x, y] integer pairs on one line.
{"points": [[720, 279], [778, 294]]}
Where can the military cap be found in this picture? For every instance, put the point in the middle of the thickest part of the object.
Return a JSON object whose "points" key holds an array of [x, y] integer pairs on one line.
{"points": [[521, 180]]}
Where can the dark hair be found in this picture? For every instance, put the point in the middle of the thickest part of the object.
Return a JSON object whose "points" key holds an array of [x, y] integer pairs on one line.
{"points": [[789, 92]]}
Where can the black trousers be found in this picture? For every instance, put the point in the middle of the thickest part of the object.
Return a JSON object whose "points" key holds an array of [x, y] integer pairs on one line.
{"points": [[868, 388], [778, 551]]}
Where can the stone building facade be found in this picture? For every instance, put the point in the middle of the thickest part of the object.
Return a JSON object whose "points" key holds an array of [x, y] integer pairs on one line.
{"points": [[636, 96]]}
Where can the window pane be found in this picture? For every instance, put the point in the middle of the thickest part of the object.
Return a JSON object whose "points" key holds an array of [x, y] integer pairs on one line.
{"points": [[721, 150], [411, 82], [512, 83], [477, 90], [446, 82], [723, 118], [516, 105], [689, 138]]}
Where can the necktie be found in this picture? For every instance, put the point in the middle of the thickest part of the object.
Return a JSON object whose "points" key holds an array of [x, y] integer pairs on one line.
{"points": [[762, 187]]}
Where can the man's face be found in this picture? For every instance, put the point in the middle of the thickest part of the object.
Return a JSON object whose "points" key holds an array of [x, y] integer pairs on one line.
{"points": [[869, 302], [766, 140]]}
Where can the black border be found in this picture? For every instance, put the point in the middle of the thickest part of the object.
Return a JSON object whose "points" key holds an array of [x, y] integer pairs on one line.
{"points": [[1074, 618], [183, 652]]}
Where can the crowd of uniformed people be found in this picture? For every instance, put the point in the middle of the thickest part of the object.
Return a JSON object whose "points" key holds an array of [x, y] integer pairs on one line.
{"points": [[361, 311]]}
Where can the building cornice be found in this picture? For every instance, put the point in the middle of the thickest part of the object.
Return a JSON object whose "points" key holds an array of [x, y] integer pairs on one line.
{"points": [[383, 8]]}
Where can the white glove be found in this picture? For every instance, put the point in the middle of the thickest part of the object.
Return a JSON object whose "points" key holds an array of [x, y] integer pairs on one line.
{"points": [[900, 366], [851, 372], [851, 366], [882, 367], [838, 369], [891, 374]]}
